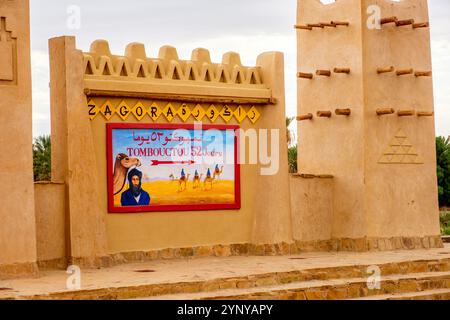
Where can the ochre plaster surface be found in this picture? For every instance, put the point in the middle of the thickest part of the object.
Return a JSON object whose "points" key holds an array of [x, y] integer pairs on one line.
{"points": [[50, 221], [367, 182], [372, 198], [312, 208], [265, 213], [17, 220], [73, 153]]}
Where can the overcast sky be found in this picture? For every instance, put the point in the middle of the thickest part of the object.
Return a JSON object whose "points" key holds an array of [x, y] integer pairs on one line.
{"points": [[249, 27]]}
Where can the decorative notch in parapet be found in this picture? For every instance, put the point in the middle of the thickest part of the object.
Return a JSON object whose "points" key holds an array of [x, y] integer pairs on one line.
{"points": [[8, 55], [136, 75], [136, 64]]}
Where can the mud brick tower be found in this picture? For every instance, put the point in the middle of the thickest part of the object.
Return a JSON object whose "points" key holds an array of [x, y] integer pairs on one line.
{"points": [[17, 218], [366, 116]]}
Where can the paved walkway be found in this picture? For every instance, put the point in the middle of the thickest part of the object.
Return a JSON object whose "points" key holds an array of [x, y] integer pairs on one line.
{"points": [[175, 271]]}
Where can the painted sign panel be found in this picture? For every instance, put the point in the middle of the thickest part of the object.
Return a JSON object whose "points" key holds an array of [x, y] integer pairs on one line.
{"points": [[156, 168]]}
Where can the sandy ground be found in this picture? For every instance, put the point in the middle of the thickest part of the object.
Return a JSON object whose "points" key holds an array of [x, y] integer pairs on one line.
{"points": [[185, 270]]}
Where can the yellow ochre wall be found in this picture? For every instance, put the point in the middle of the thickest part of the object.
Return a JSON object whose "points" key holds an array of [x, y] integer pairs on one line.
{"points": [[265, 214], [50, 223], [349, 195], [346, 196], [371, 198], [333, 146], [400, 199], [138, 232], [17, 220]]}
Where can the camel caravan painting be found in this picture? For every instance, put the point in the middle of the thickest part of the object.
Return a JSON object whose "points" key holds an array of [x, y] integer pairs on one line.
{"points": [[168, 168]]}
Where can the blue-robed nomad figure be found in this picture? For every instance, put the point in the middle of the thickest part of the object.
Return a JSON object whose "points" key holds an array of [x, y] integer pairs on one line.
{"points": [[135, 195]]}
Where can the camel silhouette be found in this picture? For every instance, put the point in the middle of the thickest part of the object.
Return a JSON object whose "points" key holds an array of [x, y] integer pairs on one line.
{"points": [[217, 173], [196, 181], [183, 181], [208, 180]]}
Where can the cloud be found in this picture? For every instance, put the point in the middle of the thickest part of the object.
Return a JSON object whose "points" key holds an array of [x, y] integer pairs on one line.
{"points": [[160, 21], [41, 93], [249, 27], [441, 79]]}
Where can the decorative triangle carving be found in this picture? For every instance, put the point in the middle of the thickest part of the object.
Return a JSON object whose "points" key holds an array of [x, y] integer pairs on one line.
{"points": [[400, 151]]}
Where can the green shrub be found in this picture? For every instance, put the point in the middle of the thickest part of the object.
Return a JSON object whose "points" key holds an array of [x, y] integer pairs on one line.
{"points": [[446, 231], [445, 222], [443, 170], [292, 159], [42, 158]]}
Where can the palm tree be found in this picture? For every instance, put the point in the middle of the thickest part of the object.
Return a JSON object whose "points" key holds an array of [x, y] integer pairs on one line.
{"points": [[292, 159], [289, 133], [42, 158], [292, 149], [443, 169]]}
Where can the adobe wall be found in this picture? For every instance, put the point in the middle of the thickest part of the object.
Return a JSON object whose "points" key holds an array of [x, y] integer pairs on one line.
{"points": [[401, 198], [366, 143], [312, 208], [367, 177], [50, 210], [333, 145], [382, 154], [17, 227], [95, 234], [73, 155]]}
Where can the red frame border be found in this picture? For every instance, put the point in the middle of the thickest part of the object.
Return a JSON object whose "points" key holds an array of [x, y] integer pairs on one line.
{"points": [[169, 208]]}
